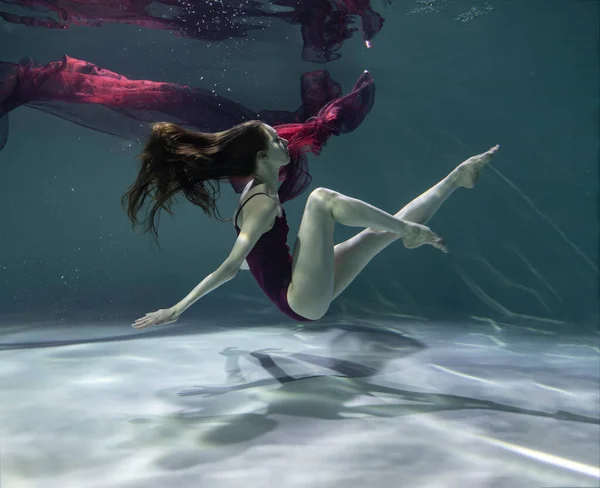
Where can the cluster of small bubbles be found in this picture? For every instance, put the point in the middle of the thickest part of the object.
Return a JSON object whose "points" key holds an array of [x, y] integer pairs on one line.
{"points": [[475, 12], [427, 6]]}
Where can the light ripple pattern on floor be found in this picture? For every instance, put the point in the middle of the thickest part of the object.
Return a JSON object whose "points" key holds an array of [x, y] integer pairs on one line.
{"points": [[388, 404]]}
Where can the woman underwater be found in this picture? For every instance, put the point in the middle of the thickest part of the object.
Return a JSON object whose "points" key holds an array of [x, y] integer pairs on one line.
{"points": [[208, 139], [302, 284]]}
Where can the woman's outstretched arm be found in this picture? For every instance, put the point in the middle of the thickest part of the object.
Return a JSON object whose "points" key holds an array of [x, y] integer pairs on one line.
{"points": [[260, 213], [164, 316]]}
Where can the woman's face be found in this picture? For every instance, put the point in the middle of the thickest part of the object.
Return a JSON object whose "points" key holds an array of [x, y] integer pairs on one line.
{"points": [[277, 147]]}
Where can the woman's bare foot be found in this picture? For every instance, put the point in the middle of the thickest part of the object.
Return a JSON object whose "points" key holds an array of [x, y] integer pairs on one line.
{"points": [[416, 235], [468, 171]]}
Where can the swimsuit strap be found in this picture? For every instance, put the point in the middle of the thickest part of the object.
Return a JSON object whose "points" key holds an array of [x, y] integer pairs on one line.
{"points": [[248, 199]]}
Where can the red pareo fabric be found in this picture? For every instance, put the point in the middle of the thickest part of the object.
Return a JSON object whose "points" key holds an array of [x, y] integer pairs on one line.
{"points": [[106, 101]]}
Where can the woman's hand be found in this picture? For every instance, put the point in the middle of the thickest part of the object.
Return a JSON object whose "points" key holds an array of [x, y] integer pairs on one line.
{"points": [[160, 317]]}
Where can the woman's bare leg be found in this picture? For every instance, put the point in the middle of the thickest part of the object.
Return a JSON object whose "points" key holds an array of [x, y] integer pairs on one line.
{"points": [[321, 271], [353, 255]]}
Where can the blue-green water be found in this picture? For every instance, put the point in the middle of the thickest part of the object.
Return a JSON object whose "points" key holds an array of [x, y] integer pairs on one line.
{"points": [[489, 353]]}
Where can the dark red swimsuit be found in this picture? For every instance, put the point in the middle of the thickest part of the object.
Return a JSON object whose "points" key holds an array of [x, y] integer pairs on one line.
{"points": [[270, 263]]}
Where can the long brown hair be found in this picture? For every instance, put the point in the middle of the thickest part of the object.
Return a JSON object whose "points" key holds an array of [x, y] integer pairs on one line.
{"points": [[176, 160]]}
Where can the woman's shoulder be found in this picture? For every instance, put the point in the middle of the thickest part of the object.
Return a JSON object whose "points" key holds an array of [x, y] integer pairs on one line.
{"points": [[250, 191], [257, 188], [254, 188]]}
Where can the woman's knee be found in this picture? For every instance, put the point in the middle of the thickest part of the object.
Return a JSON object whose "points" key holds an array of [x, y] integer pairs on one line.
{"points": [[322, 198]]}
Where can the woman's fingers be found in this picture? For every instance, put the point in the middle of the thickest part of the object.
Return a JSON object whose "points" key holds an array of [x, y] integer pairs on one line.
{"points": [[153, 318], [143, 322]]}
